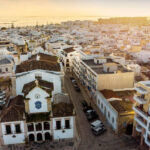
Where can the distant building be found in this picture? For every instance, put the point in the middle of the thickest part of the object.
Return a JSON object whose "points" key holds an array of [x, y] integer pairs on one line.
{"points": [[124, 20], [6, 65], [67, 56]]}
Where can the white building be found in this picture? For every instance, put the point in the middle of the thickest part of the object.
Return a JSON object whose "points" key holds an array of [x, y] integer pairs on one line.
{"points": [[6, 65], [116, 106], [40, 111], [67, 56]]}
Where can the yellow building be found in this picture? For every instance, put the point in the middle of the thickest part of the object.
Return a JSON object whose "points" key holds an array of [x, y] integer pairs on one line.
{"points": [[135, 49]]}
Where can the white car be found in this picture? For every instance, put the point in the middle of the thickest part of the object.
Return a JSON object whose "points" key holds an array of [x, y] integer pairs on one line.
{"points": [[96, 124]]}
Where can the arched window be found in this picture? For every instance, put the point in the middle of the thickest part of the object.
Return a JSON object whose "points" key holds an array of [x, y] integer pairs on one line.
{"points": [[47, 136], [39, 137], [38, 126], [31, 137], [46, 126], [30, 127]]}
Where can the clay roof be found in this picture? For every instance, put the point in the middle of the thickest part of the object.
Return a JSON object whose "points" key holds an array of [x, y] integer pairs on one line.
{"points": [[14, 110], [69, 50], [47, 86], [122, 106], [38, 117], [127, 94], [62, 109], [45, 62], [109, 94]]}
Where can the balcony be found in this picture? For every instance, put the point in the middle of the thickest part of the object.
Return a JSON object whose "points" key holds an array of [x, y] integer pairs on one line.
{"points": [[141, 90], [138, 128], [139, 100], [140, 121], [140, 112]]}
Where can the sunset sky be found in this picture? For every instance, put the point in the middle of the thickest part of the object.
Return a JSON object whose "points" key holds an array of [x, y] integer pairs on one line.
{"points": [[74, 7]]}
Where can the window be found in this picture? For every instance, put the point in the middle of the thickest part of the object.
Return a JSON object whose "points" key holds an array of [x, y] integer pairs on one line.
{"points": [[0, 70], [38, 127], [46, 126], [67, 65], [30, 127], [113, 120], [102, 105], [38, 76], [67, 124], [108, 114], [8, 129], [143, 96], [17, 127], [98, 102], [6, 69], [58, 125]]}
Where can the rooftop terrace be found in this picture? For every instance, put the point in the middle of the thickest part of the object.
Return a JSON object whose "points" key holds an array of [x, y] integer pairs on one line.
{"points": [[98, 68]]}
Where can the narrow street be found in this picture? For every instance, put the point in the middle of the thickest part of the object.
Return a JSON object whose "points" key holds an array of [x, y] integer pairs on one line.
{"points": [[106, 141]]}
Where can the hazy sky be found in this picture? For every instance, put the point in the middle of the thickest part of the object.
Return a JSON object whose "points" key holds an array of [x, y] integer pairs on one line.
{"points": [[74, 7]]}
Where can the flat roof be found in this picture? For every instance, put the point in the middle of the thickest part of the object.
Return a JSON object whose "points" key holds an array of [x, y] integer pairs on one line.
{"points": [[98, 68]]}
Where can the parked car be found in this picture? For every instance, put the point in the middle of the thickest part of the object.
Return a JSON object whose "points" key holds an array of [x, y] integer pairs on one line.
{"points": [[98, 131], [86, 108], [72, 78], [91, 115], [96, 124], [75, 85], [84, 103], [74, 81], [77, 89]]}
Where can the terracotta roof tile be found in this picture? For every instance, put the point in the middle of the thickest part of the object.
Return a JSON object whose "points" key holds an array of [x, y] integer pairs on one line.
{"points": [[14, 111], [45, 62], [69, 50], [47, 86]]}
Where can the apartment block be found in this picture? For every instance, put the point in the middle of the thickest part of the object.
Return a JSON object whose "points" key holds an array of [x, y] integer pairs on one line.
{"points": [[142, 112]]}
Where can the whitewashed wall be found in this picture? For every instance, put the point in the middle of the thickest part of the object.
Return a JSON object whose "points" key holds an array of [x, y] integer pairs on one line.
{"points": [[9, 139], [30, 76], [105, 103], [69, 133], [33, 100]]}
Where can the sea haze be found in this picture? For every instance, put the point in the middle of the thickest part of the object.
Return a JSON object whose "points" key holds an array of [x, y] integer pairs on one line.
{"points": [[40, 20]]}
